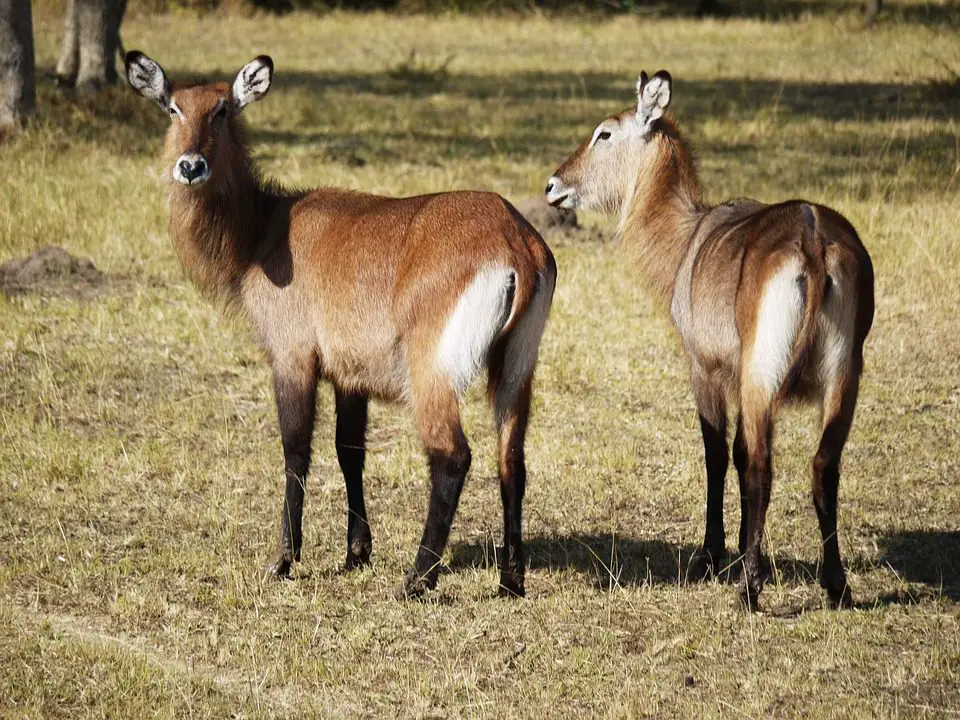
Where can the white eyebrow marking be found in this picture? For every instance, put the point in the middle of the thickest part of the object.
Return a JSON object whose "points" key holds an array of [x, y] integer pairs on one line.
{"points": [[596, 134]]}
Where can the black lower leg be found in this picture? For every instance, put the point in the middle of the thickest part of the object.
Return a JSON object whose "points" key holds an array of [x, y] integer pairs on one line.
{"points": [[513, 480], [448, 471], [832, 577], [296, 397], [717, 458], [839, 406], [752, 579], [351, 452], [826, 483], [740, 463], [759, 480]]}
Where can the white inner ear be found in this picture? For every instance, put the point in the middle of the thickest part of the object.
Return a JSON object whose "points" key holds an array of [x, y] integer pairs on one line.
{"points": [[148, 79], [655, 97], [251, 84]]}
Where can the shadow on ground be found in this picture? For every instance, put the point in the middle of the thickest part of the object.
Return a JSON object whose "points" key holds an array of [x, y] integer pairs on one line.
{"points": [[927, 14], [929, 561], [620, 561], [541, 118], [114, 118], [932, 14], [930, 557], [831, 101]]}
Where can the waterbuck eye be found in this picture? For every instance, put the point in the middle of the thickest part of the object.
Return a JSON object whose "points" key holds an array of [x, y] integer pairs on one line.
{"points": [[221, 113], [603, 136]]}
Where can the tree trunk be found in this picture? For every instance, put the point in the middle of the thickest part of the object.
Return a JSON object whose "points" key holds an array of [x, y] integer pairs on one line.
{"points": [[873, 9], [69, 48], [91, 38], [18, 98]]}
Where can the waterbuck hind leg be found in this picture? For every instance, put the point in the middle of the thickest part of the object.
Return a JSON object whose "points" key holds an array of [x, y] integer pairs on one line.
{"points": [[511, 364], [740, 463], [512, 429], [758, 432], [351, 452], [839, 403], [448, 454], [295, 387], [711, 406]]}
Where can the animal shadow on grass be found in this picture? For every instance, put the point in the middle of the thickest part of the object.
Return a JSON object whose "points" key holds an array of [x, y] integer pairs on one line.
{"points": [[533, 100], [929, 557], [114, 118], [619, 561], [550, 93]]}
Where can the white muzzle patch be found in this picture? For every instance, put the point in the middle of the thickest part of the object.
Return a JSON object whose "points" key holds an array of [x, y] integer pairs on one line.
{"points": [[191, 169], [561, 195]]}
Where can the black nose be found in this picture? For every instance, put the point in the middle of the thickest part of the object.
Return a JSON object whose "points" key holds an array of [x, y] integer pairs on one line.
{"points": [[549, 188], [191, 170]]}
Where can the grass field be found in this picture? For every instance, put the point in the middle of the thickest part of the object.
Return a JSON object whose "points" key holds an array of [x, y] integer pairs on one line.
{"points": [[140, 465]]}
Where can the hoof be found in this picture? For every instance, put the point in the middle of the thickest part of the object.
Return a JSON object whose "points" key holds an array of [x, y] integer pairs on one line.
{"points": [[358, 556], [704, 565], [355, 562], [749, 597], [279, 567], [414, 586], [839, 597], [511, 585]]}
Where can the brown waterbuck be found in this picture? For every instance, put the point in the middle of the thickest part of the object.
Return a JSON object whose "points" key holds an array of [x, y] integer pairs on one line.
{"points": [[396, 299], [773, 303]]}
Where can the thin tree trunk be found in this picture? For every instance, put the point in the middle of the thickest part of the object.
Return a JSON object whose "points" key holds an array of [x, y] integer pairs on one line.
{"points": [[96, 62], [17, 80], [91, 38], [69, 60], [873, 9]]}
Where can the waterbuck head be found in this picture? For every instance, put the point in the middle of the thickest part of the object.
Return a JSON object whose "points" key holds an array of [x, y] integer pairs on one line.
{"points": [[599, 175], [203, 118]]}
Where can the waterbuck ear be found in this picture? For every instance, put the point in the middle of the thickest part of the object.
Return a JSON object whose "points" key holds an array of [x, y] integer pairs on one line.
{"points": [[653, 96], [641, 81], [147, 78], [253, 81]]}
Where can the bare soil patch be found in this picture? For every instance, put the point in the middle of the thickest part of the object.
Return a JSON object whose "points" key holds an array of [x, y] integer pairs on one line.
{"points": [[556, 224], [52, 271]]}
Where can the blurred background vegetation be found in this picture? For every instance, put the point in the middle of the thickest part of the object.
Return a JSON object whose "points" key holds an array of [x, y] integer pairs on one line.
{"points": [[936, 11]]}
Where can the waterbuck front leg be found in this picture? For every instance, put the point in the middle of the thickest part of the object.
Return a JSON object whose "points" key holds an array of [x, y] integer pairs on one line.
{"points": [[712, 408], [295, 387], [351, 452]]}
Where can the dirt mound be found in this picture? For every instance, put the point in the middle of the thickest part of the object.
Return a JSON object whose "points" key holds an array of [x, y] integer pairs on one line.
{"points": [[555, 223], [50, 271]]}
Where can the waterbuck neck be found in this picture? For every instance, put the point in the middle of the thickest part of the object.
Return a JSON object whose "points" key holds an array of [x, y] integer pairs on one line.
{"points": [[217, 227], [659, 217]]}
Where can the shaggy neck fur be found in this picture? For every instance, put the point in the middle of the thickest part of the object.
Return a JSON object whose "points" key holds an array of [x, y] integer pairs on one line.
{"points": [[216, 227], [658, 219]]}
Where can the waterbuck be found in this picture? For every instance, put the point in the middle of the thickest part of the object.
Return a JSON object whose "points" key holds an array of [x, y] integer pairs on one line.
{"points": [[396, 299], [773, 303]]}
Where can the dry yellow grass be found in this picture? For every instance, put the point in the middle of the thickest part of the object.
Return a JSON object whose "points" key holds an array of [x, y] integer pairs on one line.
{"points": [[140, 479]]}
